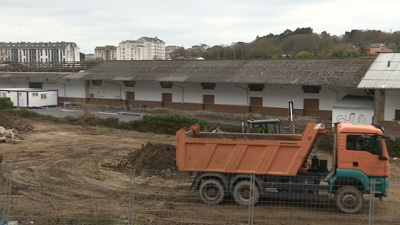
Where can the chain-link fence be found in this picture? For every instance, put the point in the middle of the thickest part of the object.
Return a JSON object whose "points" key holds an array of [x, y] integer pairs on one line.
{"points": [[103, 195], [5, 191]]}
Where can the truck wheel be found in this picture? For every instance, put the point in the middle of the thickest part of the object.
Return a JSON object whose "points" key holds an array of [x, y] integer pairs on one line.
{"points": [[349, 199], [241, 193], [211, 192]]}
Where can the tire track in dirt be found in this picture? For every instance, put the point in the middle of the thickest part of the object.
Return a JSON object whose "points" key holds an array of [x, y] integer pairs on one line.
{"points": [[57, 168]]}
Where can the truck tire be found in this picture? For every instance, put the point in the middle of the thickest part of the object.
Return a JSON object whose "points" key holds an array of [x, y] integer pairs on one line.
{"points": [[349, 199], [241, 193], [211, 192]]}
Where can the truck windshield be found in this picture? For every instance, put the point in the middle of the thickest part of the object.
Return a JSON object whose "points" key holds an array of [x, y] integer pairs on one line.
{"points": [[358, 143]]}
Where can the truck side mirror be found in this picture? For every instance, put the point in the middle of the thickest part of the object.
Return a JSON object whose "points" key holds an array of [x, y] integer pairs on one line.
{"points": [[380, 151], [382, 158]]}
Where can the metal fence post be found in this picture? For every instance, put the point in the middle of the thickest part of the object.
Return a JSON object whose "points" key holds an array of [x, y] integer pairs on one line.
{"points": [[250, 218], [7, 194], [131, 197], [372, 201]]}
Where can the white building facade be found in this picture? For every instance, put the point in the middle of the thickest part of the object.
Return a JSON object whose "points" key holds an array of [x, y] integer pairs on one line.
{"points": [[39, 52], [144, 48], [131, 50], [155, 48]]}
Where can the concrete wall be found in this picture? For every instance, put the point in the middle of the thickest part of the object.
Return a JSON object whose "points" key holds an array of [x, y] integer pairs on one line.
{"points": [[392, 104], [227, 97]]}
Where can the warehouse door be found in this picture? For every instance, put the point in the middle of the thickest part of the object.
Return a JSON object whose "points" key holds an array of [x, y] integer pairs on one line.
{"points": [[208, 102], [311, 107], [130, 98], [167, 100], [256, 104]]}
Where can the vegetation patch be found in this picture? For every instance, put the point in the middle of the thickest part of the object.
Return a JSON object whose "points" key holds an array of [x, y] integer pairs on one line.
{"points": [[6, 103]]}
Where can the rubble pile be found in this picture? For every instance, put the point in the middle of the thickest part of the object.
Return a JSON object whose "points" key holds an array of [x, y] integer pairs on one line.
{"points": [[11, 127], [152, 156], [10, 135]]}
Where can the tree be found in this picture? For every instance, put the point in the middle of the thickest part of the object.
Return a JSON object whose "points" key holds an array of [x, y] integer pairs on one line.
{"points": [[262, 49], [193, 54], [180, 51], [303, 55], [303, 30], [300, 42], [285, 34]]}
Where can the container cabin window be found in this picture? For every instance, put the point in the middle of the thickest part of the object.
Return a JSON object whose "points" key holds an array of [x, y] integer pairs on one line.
{"points": [[130, 83], [166, 84], [397, 115], [256, 87], [311, 89], [96, 82], [208, 86], [358, 143], [43, 96], [36, 85], [35, 94]]}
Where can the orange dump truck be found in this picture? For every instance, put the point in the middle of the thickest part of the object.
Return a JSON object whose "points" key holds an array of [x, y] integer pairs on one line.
{"points": [[283, 166]]}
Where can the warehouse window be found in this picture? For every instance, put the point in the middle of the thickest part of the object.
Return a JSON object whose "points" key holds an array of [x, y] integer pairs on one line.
{"points": [[311, 89], [208, 86], [36, 85], [166, 84], [129, 83], [256, 87], [96, 82]]}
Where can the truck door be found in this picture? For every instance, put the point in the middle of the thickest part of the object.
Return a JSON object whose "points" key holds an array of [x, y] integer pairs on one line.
{"points": [[365, 154]]}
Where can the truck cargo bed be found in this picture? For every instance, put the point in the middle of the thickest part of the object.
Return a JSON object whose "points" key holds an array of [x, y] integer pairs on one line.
{"points": [[275, 154]]}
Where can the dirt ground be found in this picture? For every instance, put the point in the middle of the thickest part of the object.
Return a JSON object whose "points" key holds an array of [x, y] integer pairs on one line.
{"points": [[65, 172]]}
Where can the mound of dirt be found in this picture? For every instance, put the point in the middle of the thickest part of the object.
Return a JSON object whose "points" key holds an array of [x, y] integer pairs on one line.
{"points": [[153, 156], [10, 121]]}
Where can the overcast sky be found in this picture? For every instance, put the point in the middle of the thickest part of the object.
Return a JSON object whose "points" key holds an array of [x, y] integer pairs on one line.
{"points": [[185, 23]]}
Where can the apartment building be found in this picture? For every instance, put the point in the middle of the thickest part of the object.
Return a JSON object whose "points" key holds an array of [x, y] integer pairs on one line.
{"points": [[144, 48], [39, 52], [155, 48], [105, 53], [131, 50]]}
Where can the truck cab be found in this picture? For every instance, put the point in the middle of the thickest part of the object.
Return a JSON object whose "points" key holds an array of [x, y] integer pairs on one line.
{"points": [[362, 154]]}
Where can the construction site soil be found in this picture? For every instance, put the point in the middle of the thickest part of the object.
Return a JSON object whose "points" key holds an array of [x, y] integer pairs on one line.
{"points": [[64, 172]]}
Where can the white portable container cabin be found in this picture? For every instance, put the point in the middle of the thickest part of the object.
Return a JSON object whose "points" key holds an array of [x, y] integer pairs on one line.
{"points": [[30, 97]]}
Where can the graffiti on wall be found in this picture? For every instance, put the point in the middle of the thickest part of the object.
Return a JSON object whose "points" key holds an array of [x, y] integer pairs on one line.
{"points": [[351, 118], [99, 94]]}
